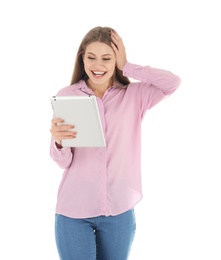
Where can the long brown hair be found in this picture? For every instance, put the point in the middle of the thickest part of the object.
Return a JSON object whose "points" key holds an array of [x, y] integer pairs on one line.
{"points": [[97, 34]]}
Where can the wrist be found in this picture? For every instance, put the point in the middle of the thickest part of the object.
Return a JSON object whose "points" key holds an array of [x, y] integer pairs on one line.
{"points": [[121, 67]]}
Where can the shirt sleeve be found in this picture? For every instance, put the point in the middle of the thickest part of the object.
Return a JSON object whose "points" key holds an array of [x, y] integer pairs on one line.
{"points": [[63, 157], [154, 84]]}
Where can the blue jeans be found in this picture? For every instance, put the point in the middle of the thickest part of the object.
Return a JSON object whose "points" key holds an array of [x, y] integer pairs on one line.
{"points": [[100, 238]]}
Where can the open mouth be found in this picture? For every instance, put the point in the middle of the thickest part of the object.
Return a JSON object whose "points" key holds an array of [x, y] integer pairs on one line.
{"points": [[98, 73]]}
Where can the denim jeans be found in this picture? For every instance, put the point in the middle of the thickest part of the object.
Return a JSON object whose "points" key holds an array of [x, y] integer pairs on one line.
{"points": [[100, 238]]}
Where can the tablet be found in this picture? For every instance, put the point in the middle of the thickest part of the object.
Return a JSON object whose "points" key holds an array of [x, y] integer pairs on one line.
{"points": [[83, 113]]}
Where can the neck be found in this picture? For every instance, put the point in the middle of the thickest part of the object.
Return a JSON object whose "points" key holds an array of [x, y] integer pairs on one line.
{"points": [[99, 90]]}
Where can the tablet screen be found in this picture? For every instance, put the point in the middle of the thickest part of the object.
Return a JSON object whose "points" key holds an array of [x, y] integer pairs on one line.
{"points": [[83, 113]]}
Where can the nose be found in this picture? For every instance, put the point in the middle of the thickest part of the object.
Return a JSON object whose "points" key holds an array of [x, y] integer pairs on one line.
{"points": [[98, 63]]}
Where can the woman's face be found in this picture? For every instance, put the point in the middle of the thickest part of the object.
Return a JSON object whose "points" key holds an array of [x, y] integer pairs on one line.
{"points": [[99, 64]]}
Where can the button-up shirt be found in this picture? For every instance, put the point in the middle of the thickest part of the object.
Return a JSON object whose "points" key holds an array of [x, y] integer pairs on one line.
{"points": [[107, 180]]}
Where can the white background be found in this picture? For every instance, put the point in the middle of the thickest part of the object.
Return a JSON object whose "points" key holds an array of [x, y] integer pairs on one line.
{"points": [[179, 216]]}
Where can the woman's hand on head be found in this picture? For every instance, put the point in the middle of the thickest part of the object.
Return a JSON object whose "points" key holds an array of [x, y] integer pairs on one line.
{"points": [[119, 49], [59, 130]]}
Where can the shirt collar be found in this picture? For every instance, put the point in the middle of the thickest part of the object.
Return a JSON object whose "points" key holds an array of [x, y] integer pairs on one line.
{"points": [[81, 85]]}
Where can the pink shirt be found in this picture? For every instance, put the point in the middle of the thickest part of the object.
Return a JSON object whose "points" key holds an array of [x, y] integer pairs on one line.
{"points": [[107, 181]]}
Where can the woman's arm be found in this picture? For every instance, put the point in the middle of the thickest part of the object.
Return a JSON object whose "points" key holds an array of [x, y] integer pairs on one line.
{"points": [[59, 131], [161, 79], [63, 157], [158, 78]]}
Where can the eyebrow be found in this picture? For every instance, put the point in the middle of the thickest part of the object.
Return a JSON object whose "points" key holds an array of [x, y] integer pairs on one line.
{"points": [[107, 54]]}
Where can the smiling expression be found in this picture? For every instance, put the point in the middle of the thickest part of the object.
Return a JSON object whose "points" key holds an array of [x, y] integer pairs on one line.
{"points": [[99, 64]]}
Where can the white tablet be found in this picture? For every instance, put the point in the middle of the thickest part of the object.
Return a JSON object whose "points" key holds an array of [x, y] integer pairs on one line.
{"points": [[83, 113]]}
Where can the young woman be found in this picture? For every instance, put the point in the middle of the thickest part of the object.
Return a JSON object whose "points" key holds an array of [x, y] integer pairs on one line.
{"points": [[100, 186]]}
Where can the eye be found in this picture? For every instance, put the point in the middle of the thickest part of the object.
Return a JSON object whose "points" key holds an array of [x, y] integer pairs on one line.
{"points": [[106, 59], [91, 58]]}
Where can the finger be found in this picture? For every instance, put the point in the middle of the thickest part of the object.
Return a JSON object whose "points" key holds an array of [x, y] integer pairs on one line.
{"points": [[113, 37], [56, 120], [116, 37], [61, 128], [58, 130], [114, 47], [114, 33], [118, 43], [62, 135]]}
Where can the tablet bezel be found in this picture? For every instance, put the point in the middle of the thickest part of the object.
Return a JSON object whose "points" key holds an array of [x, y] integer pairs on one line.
{"points": [[87, 120]]}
